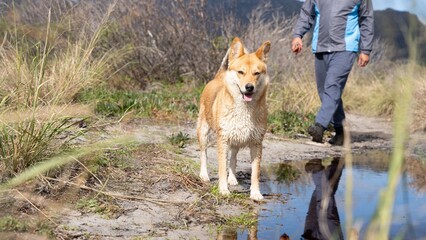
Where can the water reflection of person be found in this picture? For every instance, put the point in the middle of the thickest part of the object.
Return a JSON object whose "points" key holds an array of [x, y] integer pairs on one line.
{"points": [[322, 220]]}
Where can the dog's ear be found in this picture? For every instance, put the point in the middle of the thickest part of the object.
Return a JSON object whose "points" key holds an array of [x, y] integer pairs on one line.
{"points": [[263, 52], [236, 49]]}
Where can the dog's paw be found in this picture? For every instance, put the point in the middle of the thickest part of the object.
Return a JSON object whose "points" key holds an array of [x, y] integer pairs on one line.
{"points": [[256, 196], [204, 177], [224, 192], [232, 181]]}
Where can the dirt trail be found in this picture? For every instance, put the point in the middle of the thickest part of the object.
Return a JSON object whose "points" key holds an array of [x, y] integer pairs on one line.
{"points": [[366, 133]]}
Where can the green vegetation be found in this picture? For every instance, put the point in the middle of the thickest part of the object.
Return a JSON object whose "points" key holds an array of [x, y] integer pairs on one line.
{"points": [[100, 205], [28, 142], [9, 223], [45, 228], [169, 101], [234, 197], [62, 159], [247, 219], [289, 123], [12, 224], [118, 157], [180, 140]]}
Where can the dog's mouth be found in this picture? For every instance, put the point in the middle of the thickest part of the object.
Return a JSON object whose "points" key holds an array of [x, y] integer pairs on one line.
{"points": [[247, 97]]}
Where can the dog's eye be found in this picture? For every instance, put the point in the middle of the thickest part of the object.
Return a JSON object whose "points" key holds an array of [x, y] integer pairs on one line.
{"points": [[241, 72], [256, 73]]}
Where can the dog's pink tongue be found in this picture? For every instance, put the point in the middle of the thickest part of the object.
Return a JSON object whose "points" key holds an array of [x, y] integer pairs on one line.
{"points": [[248, 98]]}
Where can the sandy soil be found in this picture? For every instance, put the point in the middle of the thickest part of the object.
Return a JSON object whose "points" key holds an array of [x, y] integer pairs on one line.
{"points": [[167, 207]]}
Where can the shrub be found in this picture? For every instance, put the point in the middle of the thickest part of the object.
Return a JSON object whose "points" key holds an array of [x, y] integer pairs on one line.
{"points": [[289, 123], [168, 101], [180, 139], [53, 69], [26, 143], [12, 224]]}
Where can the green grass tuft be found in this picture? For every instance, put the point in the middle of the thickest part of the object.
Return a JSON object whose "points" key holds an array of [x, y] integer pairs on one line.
{"points": [[103, 207], [11, 224], [29, 142], [62, 159], [289, 123], [246, 219], [180, 139], [168, 102]]}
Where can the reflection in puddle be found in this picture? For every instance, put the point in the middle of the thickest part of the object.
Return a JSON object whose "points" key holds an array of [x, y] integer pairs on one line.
{"points": [[322, 220], [312, 201]]}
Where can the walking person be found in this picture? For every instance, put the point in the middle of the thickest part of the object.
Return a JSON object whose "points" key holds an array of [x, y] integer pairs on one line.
{"points": [[342, 29]]}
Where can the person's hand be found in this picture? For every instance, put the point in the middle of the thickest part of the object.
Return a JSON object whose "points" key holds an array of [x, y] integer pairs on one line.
{"points": [[363, 59], [296, 45]]}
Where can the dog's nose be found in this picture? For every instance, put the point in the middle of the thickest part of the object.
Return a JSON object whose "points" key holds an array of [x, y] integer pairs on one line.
{"points": [[249, 87]]}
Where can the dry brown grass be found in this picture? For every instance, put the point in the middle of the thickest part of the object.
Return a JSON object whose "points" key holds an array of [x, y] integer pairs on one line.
{"points": [[51, 71], [294, 96], [374, 93], [419, 106], [45, 113]]}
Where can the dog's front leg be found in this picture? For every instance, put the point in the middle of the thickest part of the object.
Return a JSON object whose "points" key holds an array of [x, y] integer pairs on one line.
{"points": [[202, 134], [232, 179], [222, 150], [256, 157]]}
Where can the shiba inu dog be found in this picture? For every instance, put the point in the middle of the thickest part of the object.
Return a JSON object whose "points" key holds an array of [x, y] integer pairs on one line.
{"points": [[233, 106]]}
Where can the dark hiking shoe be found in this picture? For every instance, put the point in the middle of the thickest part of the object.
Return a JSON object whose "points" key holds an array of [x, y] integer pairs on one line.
{"points": [[317, 132], [338, 137]]}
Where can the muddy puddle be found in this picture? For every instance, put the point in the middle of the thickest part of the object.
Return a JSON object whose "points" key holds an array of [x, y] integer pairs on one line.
{"points": [[302, 185]]}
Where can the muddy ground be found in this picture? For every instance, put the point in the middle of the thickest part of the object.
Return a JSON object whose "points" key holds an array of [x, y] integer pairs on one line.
{"points": [[155, 193]]}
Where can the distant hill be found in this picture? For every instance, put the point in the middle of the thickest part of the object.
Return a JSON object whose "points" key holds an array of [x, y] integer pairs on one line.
{"points": [[390, 25], [393, 26]]}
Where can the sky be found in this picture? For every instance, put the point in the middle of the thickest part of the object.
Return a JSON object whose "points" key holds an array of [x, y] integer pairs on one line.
{"points": [[417, 7]]}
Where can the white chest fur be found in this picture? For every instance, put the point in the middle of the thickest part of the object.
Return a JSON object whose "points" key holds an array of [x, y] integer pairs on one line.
{"points": [[242, 124]]}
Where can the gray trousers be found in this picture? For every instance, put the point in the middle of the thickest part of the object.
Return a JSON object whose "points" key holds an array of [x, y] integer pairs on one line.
{"points": [[332, 71]]}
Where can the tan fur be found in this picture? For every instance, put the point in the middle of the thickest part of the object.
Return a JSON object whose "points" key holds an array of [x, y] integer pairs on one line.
{"points": [[237, 123]]}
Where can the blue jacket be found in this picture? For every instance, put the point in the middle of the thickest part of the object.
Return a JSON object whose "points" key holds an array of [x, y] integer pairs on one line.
{"points": [[340, 25]]}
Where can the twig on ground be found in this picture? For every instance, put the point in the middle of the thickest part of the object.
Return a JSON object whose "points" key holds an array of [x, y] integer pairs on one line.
{"points": [[88, 170]]}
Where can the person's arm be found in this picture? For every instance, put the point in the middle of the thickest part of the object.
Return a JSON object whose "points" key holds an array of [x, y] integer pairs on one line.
{"points": [[304, 23], [366, 26], [306, 19]]}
